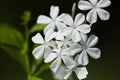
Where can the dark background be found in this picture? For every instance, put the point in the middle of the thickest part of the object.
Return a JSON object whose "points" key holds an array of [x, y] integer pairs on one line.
{"points": [[105, 68]]}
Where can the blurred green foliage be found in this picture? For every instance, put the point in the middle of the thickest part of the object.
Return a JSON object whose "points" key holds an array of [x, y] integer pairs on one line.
{"points": [[16, 44]]}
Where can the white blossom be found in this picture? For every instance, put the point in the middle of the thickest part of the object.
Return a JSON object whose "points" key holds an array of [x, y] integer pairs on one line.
{"points": [[44, 45], [58, 55], [76, 28], [65, 73], [53, 22], [96, 9], [81, 72], [87, 48]]}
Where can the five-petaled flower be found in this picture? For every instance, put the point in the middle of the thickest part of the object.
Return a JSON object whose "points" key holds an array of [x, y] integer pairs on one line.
{"points": [[96, 8], [44, 47], [87, 47], [60, 54], [53, 22], [81, 72], [75, 28]]}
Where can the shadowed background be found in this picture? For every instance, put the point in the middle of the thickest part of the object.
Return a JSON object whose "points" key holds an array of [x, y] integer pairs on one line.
{"points": [[105, 68]]}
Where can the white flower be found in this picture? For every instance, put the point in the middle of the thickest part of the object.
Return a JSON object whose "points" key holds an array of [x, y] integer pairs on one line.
{"points": [[57, 56], [53, 22], [65, 42], [80, 72], [87, 47], [44, 47], [96, 9], [75, 27], [65, 73]]}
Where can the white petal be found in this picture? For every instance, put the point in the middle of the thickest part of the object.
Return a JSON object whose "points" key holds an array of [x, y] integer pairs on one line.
{"points": [[57, 50], [48, 50], [55, 65], [93, 1], [84, 28], [84, 5], [103, 14], [94, 52], [67, 31], [60, 18], [92, 41], [83, 38], [54, 10], [42, 19], [38, 39], [59, 75], [60, 26], [38, 52], [66, 51], [67, 19], [79, 19], [92, 16], [75, 48], [52, 44], [104, 3], [50, 27], [69, 62], [68, 74], [83, 58], [50, 57], [50, 36], [76, 60], [75, 36], [59, 35], [59, 44], [81, 73]]}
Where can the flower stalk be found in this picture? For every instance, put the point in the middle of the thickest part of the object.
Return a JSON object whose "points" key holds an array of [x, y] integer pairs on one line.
{"points": [[73, 10]]}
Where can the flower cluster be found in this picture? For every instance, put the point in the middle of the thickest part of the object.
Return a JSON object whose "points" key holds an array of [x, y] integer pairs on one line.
{"points": [[66, 44]]}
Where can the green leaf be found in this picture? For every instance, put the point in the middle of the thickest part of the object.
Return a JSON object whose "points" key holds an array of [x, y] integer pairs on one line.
{"points": [[11, 40], [38, 27], [12, 51], [10, 36], [15, 53], [34, 78]]}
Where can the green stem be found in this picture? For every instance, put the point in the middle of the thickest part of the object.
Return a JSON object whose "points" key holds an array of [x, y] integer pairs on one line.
{"points": [[37, 73], [26, 48], [28, 77], [35, 65], [42, 68]]}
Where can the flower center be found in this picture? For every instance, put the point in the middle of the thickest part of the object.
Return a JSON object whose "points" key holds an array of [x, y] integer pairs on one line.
{"points": [[59, 54], [84, 47], [94, 6], [46, 44], [74, 26], [54, 20], [66, 41]]}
